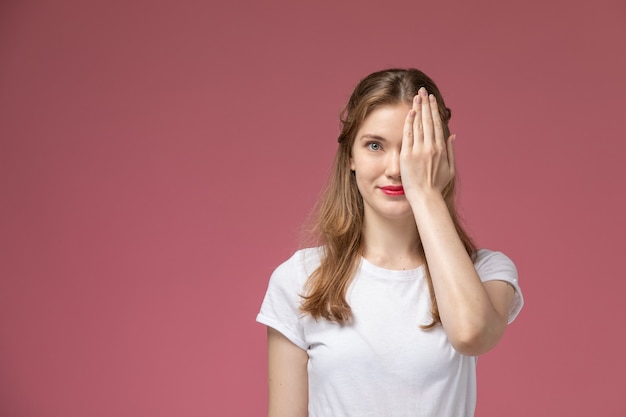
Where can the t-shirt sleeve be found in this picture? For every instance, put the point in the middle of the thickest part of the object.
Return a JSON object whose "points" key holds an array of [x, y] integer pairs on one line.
{"points": [[496, 266], [281, 305]]}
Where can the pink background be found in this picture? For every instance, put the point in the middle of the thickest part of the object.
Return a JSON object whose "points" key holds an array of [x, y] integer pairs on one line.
{"points": [[158, 158]]}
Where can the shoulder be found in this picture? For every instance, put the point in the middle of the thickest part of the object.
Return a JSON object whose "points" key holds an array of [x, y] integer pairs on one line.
{"points": [[488, 262], [496, 266], [281, 306], [303, 260], [293, 272]]}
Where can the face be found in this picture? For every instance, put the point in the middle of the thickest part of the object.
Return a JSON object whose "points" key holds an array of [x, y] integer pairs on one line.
{"points": [[376, 162]]}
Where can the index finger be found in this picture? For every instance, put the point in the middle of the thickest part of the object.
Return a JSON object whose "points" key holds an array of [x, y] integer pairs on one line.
{"points": [[408, 136], [437, 124]]}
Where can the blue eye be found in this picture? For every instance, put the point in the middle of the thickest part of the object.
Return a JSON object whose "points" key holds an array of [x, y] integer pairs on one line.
{"points": [[374, 146]]}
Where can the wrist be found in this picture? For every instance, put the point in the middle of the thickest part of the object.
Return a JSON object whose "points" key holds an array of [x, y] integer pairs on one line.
{"points": [[424, 196], [427, 204]]}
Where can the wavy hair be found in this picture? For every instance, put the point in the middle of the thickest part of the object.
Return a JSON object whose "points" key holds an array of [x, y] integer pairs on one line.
{"points": [[339, 213]]}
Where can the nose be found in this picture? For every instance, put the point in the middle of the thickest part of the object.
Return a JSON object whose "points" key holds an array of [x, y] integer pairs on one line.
{"points": [[393, 165]]}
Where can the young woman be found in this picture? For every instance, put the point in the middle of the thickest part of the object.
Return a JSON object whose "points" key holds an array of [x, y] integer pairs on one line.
{"points": [[388, 315]]}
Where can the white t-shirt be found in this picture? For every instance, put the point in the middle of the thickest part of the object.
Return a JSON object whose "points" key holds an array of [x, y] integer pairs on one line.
{"points": [[381, 364]]}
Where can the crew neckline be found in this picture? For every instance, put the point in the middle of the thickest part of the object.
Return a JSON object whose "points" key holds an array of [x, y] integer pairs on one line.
{"points": [[394, 274]]}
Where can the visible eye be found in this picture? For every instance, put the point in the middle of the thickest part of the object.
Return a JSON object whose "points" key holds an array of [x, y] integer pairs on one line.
{"points": [[374, 146]]}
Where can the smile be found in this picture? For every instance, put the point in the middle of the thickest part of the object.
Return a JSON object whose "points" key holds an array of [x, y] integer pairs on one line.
{"points": [[393, 190]]}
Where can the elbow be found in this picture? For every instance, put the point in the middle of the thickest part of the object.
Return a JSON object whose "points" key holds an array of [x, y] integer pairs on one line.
{"points": [[475, 341], [471, 347]]}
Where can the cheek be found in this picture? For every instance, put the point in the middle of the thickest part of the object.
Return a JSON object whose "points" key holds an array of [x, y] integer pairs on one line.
{"points": [[359, 183], [365, 165], [362, 177], [359, 162]]}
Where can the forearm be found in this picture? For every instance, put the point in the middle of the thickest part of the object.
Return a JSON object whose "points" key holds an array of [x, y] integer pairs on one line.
{"points": [[468, 316], [287, 377]]}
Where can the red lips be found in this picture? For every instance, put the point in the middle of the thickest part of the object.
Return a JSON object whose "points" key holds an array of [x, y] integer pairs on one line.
{"points": [[393, 190]]}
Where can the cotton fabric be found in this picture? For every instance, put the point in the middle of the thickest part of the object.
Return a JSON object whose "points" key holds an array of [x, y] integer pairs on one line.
{"points": [[381, 363]]}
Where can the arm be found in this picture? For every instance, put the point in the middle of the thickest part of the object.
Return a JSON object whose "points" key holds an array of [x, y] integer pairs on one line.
{"points": [[287, 375], [474, 315]]}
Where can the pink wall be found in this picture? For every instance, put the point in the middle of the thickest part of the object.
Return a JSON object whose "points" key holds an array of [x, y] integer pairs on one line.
{"points": [[157, 159]]}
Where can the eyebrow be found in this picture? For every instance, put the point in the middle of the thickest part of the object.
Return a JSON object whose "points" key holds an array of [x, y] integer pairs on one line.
{"points": [[374, 137]]}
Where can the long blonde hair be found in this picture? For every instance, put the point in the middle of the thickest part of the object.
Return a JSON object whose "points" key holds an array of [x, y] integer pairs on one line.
{"points": [[339, 213]]}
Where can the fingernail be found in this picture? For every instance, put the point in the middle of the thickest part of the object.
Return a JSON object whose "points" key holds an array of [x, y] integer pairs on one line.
{"points": [[418, 99], [422, 92], [431, 98]]}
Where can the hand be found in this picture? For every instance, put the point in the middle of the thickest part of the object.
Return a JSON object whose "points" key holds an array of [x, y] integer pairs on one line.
{"points": [[426, 157]]}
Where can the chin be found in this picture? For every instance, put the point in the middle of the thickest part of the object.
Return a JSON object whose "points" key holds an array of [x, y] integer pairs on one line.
{"points": [[398, 214]]}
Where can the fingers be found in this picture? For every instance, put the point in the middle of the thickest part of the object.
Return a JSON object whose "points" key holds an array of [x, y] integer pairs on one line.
{"points": [[427, 156], [427, 120], [428, 127], [418, 126], [450, 152], [423, 122], [408, 134], [437, 125]]}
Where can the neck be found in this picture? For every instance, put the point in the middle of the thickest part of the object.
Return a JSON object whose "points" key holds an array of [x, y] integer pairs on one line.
{"points": [[391, 244]]}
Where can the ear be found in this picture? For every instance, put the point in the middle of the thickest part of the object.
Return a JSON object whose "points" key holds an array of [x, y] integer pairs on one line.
{"points": [[352, 167]]}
